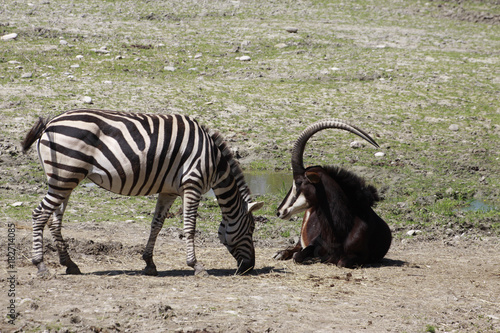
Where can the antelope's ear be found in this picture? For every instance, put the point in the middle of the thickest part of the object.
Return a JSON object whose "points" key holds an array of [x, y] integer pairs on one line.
{"points": [[253, 206], [313, 177]]}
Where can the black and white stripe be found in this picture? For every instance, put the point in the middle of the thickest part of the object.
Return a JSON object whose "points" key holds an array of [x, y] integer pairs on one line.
{"points": [[141, 154]]}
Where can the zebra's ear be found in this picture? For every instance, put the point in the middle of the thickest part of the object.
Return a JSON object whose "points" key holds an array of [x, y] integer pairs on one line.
{"points": [[253, 206]]}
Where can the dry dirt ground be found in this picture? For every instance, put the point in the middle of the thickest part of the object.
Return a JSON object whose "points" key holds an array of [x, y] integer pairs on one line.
{"points": [[442, 282], [449, 284]]}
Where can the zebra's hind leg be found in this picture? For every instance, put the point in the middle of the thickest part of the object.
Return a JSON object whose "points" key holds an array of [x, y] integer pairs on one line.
{"points": [[163, 204], [62, 247], [40, 218], [52, 205]]}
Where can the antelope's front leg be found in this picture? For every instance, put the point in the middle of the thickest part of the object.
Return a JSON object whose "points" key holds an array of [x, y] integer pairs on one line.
{"points": [[288, 253]]}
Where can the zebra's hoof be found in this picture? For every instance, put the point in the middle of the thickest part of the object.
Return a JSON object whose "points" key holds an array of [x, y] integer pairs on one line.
{"points": [[73, 270], [42, 270], [199, 270], [150, 270], [201, 273]]}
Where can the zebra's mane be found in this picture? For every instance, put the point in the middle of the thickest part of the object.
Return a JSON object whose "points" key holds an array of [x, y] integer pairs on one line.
{"points": [[233, 164]]}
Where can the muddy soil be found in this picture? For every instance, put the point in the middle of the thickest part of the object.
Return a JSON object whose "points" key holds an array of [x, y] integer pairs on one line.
{"points": [[449, 283]]}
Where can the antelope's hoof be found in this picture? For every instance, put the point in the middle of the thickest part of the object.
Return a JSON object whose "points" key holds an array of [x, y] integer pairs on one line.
{"points": [[150, 271], [298, 258], [282, 255]]}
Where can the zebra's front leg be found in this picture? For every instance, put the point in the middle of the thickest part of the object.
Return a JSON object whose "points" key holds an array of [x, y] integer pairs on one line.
{"points": [[190, 206], [163, 204], [62, 247]]}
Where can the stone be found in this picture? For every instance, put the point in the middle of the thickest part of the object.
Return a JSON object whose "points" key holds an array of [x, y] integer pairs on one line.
{"points": [[169, 68], [356, 145], [87, 100], [453, 127], [9, 36], [413, 232], [101, 50], [245, 58], [379, 154], [27, 76], [291, 29]]}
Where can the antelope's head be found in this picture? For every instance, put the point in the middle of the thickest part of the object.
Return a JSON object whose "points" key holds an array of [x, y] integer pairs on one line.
{"points": [[295, 201]]}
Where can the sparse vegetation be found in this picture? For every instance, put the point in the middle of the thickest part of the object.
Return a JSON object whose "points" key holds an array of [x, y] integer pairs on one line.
{"points": [[420, 76]]}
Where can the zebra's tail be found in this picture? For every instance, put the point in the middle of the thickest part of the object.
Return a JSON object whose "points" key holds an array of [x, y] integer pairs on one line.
{"points": [[34, 134]]}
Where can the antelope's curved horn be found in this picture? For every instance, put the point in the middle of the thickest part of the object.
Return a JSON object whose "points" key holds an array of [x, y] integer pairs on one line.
{"points": [[300, 144]]}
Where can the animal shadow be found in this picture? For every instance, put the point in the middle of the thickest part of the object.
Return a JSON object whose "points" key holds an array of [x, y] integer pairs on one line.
{"points": [[188, 272]]}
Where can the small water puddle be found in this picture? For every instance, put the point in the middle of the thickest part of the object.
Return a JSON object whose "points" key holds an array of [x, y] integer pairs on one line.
{"points": [[260, 183], [478, 206], [268, 182]]}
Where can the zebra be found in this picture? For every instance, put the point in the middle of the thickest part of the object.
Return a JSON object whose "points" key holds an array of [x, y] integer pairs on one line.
{"points": [[138, 154]]}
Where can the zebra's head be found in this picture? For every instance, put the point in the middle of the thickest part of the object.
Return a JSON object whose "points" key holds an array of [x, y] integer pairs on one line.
{"points": [[237, 236]]}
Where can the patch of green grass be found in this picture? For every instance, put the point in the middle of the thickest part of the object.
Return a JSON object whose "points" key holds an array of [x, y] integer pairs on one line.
{"points": [[403, 71], [430, 329]]}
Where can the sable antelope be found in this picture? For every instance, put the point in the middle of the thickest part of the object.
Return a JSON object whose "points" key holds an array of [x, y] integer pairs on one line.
{"points": [[339, 225]]}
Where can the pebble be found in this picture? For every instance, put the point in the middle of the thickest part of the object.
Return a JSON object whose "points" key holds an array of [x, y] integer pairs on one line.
{"points": [[79, 57], [75, 66], [13, 62], [356, 144], [27, 75], [63, 42], [291, 29], [280, 46], [87, 100], [17, 204], [379, 154], [244, 58], [9, 36], [453, 127], [169, 68], [197, 55], [101, 50], [413, 232]]}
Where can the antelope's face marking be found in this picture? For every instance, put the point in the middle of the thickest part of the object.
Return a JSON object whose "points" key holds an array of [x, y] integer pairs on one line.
{"points": [[295, 201]]}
